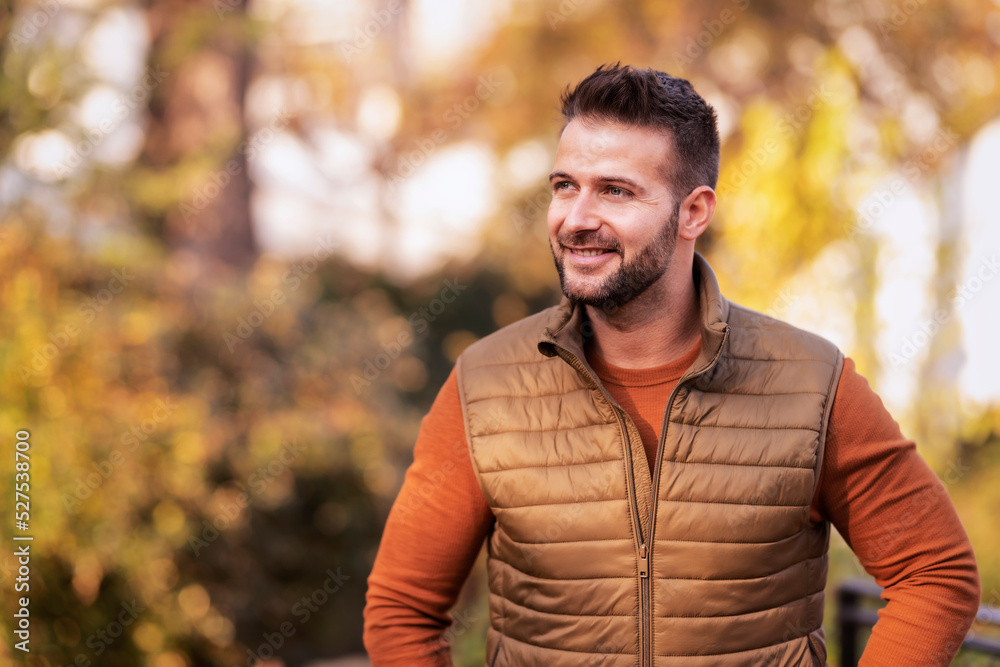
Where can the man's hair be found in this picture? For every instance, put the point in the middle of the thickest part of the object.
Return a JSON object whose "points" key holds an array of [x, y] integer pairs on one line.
{"points": [[653, 99]]}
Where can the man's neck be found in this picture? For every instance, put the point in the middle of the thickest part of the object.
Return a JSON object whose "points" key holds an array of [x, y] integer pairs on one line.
{"points": [[653, 329]]}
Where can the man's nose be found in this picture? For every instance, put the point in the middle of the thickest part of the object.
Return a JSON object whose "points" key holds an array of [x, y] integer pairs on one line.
{"points": [[583, 214]]}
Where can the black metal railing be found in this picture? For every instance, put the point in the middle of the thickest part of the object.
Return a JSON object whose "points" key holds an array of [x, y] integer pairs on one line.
{"points": [[853, 616]]}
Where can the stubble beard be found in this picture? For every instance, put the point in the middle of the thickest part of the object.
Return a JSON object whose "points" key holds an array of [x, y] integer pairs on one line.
{"points": [[631, 279]]}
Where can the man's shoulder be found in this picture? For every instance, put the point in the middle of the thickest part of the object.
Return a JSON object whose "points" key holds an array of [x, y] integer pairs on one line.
{"points": [[514, 343], [775, 338]]}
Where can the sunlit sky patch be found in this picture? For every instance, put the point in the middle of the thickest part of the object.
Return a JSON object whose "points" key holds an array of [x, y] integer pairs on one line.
{"points": [[115, 47], [442, 205], [980, 313], [905, 268], [815, 300], [445, 30], [106, 123]]}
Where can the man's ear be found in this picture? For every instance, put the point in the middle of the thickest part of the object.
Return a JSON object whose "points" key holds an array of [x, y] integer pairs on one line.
{"points": [[695, 213]]}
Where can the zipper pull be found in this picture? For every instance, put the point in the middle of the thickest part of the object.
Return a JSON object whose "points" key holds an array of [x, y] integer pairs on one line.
{"points": [[643, 562]]}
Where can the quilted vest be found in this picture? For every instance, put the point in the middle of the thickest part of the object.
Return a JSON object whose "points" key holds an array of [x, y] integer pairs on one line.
{"points": [[712, 559]]}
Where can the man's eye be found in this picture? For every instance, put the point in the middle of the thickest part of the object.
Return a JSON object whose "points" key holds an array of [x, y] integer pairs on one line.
{"points": [[616, 191]]}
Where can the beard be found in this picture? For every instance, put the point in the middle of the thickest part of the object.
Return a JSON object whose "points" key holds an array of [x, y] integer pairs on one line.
{"points": [[631, 279]]}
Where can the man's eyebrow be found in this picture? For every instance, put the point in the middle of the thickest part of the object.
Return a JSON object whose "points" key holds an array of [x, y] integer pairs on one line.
{"points": [[600, 179], [619, 179]]}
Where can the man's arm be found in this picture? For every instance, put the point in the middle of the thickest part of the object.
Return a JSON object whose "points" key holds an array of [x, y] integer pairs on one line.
{"points": [[895, 514], [433, 534]]}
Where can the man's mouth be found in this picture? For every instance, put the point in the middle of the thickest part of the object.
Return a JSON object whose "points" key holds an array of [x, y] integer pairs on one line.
{"points": [[588, 258], [590, 251]]}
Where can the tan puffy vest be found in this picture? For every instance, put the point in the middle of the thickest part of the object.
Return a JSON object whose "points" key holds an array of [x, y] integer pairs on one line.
{"points": [[725, 568]]}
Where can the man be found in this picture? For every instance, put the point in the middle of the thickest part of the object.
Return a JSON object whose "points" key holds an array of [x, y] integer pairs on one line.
{"points": [[656, 468]]}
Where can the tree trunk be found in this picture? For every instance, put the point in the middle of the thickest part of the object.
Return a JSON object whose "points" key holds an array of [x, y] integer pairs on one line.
{"points": [[198, 125]]}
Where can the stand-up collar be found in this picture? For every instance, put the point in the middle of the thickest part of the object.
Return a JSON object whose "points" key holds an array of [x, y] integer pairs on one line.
{"points": [[566, 326]]}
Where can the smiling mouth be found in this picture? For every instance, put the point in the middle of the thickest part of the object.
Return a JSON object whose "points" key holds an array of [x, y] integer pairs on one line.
{"points": [[590, 252]]}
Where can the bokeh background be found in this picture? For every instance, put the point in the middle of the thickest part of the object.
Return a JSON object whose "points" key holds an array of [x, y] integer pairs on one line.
{"points": [[227, 225]]}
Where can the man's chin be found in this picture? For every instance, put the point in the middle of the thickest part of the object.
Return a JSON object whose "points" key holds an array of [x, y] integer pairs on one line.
{"points": [[583, 286], [585, 294]]}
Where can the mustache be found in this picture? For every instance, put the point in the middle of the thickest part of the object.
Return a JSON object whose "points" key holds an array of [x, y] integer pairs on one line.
{"points": [[590, 238]]}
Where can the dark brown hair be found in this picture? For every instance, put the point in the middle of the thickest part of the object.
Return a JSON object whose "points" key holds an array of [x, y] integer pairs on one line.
{"points": [[654, 99]]}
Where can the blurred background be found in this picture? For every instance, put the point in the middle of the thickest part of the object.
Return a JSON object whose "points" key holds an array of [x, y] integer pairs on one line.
{"points": [[227, 225]]}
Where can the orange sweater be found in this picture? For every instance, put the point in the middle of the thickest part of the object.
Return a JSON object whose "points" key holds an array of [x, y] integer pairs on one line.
{"points": [[874, 487]]}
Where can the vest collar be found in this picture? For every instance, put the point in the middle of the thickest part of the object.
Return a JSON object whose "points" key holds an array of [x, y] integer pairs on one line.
{"points": [[565, 326]]}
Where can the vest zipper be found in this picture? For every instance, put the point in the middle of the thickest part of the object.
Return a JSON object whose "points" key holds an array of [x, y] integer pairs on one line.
{"points": [[646, 640], [654, 501], [644, 593], [645, 544]]}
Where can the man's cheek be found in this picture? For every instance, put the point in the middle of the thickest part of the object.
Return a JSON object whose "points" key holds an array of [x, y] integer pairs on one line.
{"points": [[553, 221]]}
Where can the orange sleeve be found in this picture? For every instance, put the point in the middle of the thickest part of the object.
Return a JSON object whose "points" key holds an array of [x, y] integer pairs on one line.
{"points": [[432, 536], [895, 514]]}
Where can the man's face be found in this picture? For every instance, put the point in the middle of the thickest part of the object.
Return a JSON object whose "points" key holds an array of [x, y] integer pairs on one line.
{"points": [[613, 219]]}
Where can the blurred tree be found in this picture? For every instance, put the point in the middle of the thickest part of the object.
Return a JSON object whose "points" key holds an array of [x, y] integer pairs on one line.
{"points": [[198, 134]]}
